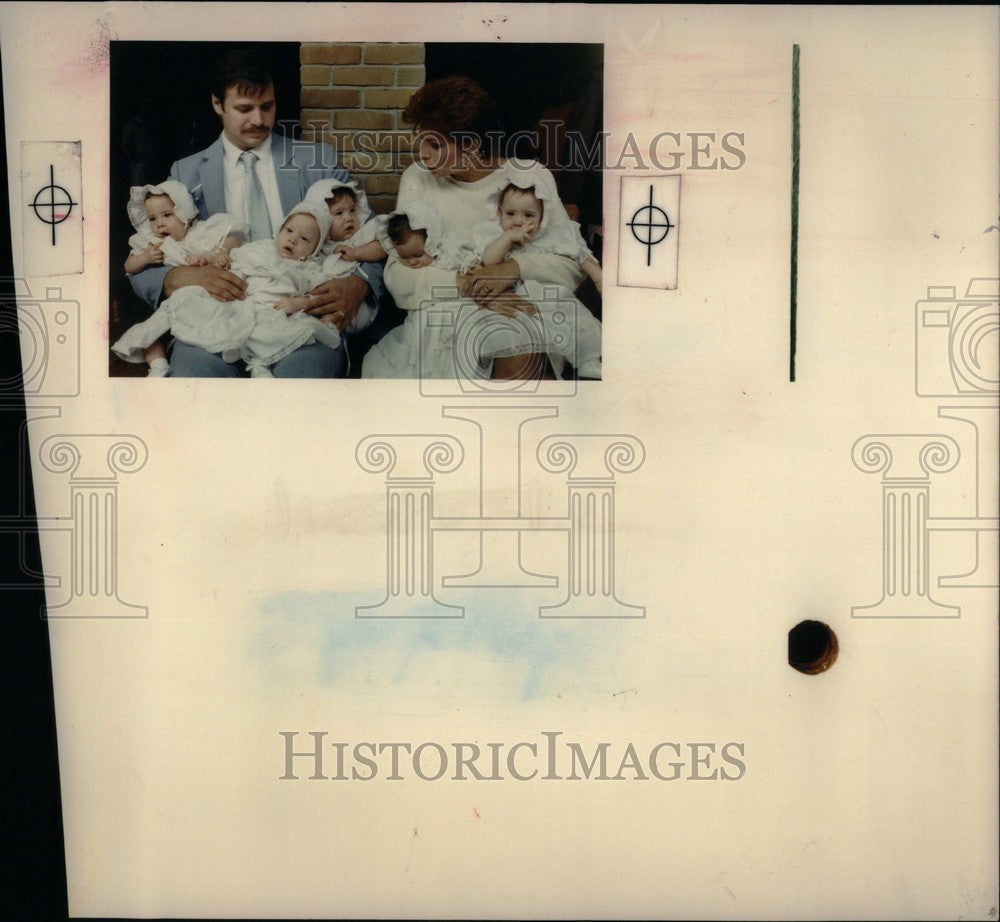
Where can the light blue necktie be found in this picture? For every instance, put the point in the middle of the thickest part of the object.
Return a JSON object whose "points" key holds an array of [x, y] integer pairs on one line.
{"points": [[258, 219]]}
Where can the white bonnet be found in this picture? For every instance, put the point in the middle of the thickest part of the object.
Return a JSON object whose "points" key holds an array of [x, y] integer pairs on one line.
{"points": [[322, 215], [184, 206], [528, 174], [319, 192], [424, 216]]}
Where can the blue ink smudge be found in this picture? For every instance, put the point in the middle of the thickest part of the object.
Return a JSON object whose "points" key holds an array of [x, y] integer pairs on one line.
{"points": [[502, 628]]}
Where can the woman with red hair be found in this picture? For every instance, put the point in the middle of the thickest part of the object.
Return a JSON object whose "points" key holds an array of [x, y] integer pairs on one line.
{"points": [[460, 163]]}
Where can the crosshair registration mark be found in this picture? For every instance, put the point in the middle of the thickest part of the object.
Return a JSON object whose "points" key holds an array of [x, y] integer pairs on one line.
{"points": [[59, 205], [652, 217]]}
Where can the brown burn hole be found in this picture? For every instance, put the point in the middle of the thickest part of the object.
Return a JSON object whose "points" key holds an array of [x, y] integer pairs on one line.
{"points": [[812, 647]]}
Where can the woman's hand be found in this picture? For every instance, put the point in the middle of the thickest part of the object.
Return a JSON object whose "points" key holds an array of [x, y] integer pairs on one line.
{"points": [[509, 304], [485, 283]]}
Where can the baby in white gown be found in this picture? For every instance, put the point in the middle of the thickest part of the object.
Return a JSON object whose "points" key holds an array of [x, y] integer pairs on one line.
{"points": [[269, 324], [350, 238], [168, 233], [523, 205]]}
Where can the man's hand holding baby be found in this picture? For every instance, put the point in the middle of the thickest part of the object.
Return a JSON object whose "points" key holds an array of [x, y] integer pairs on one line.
{"points": [[221, 284], [339, 298]]}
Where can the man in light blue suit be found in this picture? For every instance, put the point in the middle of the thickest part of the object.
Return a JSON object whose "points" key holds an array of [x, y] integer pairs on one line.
{"points": [[257, 177]]}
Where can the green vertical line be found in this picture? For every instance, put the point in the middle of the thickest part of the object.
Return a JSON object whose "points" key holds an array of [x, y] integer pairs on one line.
{"points": [[793, 299]]}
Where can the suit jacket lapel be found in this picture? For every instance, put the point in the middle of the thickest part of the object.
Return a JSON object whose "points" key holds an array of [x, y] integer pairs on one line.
{"points": [[288, 178], [212, 180]]}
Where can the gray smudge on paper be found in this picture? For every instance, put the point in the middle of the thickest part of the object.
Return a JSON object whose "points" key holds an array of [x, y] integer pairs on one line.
{"points": [[97, 54]]}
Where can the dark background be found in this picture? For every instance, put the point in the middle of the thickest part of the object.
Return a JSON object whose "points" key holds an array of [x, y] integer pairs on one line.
{"points": [[562, 81], [32, 810]]}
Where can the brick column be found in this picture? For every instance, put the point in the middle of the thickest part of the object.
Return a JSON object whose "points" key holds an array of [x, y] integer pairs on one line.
{"points": [[353, 94]]}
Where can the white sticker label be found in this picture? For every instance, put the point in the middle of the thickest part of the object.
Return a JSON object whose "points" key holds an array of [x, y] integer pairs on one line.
{"points": [[52, 213], [650, 224]]}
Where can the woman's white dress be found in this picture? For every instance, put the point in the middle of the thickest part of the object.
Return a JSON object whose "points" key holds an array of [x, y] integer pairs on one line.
{"points": [[443, 335]]}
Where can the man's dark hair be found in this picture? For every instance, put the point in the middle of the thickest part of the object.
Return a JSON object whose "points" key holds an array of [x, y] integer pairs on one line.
{"points": [[243, 69], [398, 228]]}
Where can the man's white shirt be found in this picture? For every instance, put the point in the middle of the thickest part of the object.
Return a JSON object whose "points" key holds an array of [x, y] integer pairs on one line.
{"points": [[234, 180]]}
